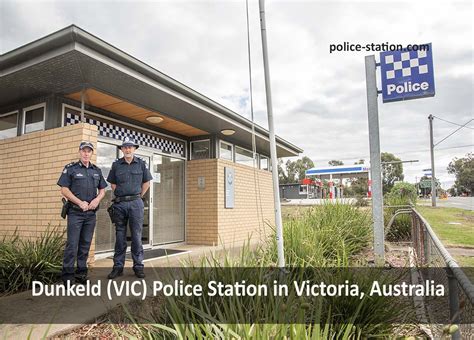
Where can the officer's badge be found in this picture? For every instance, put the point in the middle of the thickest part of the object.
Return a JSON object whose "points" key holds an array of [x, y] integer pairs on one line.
{"points": [[127, 139]]}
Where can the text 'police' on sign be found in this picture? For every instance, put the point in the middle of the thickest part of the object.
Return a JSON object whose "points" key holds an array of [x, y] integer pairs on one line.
{"points": [[407, 74]]}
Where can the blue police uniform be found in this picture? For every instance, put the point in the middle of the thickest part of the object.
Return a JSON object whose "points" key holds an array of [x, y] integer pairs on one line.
{"points": [[128, 208], [83, 182]]}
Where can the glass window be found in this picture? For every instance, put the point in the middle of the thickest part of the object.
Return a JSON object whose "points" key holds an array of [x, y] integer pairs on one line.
{"points": [[264, 163], [8, 125], [200, 149], [225, 151], [243, 156], [34, 119], [304, 189]]}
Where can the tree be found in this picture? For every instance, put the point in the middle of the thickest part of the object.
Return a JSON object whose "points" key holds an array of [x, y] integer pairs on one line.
{"points": [[391, 172], [335, 162], [403, 191], [294, 171], [359, 185], [282, 177], [463, 169]]}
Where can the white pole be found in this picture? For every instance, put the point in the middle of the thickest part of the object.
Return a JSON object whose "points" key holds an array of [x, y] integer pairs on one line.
{"points": [[271, 128]]}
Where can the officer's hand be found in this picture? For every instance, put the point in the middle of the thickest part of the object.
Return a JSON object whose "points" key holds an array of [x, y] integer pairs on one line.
{"points": [[93, 204], [84, 206]]}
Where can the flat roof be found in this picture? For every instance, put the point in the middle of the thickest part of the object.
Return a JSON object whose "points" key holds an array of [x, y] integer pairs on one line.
{"points": [[71, 59]]}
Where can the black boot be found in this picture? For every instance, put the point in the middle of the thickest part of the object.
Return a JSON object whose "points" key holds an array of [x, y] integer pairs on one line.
{"points": [[139, 273], [116, 272]]}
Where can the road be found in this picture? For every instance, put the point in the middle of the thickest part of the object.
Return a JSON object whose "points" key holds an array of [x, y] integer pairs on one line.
{"points": [[466, 203]]}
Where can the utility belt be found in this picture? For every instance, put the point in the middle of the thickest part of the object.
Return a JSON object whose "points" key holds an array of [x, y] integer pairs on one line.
{"points": [[126, 198], [75, 207], [68, 206], [112, 211]]}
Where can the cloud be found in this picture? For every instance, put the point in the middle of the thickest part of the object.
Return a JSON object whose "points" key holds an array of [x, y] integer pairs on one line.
{"points": [[319, 98]]}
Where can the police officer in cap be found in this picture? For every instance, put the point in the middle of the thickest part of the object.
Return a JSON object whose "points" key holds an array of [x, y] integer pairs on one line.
{"points": [[130, 179], [83, 185]]}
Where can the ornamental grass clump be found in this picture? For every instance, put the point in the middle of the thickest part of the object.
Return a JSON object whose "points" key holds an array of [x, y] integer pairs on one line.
{"points": [[320, 243], [23, 261], [325, 235]]}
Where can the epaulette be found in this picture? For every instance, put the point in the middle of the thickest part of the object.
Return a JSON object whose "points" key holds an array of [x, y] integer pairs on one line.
{"points": [[71, 164]]}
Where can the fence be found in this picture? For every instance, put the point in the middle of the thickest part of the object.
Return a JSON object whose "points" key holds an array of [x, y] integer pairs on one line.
{"points": [[430, 253]]}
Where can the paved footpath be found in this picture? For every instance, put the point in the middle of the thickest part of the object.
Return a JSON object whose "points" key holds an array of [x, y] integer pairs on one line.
{"points": [[21, 308], [461, 251]]}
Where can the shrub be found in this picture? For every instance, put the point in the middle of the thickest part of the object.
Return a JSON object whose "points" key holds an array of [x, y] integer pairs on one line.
{"points": [[329, 235], [325, 235], [400, 230], [361, 201], [403, 192], [23, 261]]}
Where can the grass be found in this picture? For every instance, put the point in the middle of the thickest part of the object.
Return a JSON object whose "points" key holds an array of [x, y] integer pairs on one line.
{"points": [[24, 260], [452, 235], [465, 261], [329, 235]]}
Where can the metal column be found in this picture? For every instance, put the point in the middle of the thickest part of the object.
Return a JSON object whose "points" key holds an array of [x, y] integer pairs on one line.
{"points": [[375, 166]]}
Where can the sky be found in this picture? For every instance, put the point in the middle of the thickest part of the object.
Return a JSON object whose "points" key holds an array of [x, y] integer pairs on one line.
{"points": [[319, 98]]}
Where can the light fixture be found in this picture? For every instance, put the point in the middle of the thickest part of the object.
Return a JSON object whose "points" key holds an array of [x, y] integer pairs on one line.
{"points": [[227, 132], [154, 119]]}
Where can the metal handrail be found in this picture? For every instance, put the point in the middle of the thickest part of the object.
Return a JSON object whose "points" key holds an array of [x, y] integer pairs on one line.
{"points": [[460, 276]]}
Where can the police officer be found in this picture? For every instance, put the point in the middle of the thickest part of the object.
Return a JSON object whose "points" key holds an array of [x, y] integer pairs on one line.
{"points": [[130, 179], [79, 182]]}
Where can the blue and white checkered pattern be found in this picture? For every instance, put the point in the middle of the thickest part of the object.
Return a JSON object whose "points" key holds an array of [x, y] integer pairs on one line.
{"points": [[117, 132], [407, 74], [405, 64]]}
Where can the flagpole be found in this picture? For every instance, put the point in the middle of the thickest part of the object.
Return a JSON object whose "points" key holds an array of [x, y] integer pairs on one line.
{"points": [[271, 128]]}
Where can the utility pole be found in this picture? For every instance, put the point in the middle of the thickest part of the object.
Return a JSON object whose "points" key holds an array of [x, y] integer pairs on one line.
{"points": [[271, 128], [433, 178]]}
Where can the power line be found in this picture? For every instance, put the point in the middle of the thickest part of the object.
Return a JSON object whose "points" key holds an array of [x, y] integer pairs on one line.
{"points": [[397, 153], [452, 133], [447, 121]]}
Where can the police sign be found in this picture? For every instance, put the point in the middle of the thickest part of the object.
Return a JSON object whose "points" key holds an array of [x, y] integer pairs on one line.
{"points": [[407, 74]]}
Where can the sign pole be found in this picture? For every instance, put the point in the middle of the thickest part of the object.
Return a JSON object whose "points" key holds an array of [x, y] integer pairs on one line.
{"points": [[433, 178], [375, 166], [274, 160]]}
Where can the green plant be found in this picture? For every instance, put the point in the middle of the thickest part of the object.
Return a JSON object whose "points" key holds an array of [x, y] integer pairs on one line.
{"points": [[361, 201], [324, 235], [322, 240], [403, 192], [23, 261], [400, 229]]}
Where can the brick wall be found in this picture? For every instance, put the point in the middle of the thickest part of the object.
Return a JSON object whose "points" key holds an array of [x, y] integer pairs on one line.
{"points": [[253, 211], [201, 205], [208, 222], [32, 164]]}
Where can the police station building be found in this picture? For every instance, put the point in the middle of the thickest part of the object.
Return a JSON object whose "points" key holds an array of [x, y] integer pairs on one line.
{"points": [[72, 86]]}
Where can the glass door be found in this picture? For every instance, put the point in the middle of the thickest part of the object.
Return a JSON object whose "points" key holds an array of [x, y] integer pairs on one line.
{"points": [[168, 199]]}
